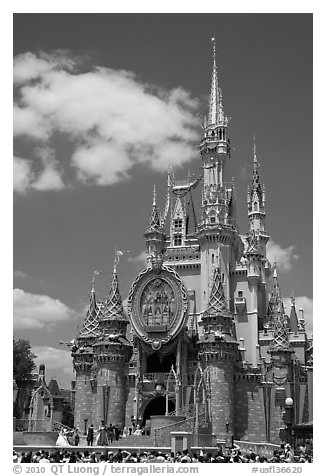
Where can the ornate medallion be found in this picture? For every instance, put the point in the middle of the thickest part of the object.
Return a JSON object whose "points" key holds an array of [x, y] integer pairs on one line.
{"points": [[157, 306]]}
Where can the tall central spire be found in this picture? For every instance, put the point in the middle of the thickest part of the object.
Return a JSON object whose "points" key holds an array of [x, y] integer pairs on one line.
{"points": [[216, 112]]}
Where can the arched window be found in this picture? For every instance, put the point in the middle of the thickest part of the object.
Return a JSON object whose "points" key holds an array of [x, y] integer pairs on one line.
{"points": [[255, 206]]}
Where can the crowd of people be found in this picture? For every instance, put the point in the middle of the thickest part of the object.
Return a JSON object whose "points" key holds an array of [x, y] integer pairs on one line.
{"points": [[285, 454]]}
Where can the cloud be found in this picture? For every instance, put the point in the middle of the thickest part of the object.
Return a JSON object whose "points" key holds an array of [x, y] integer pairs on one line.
{"points": [[111, 120], [56, 361], [47, 178], [284, 257], [141, 258], [38, 311], [305, 303], [23, 175], [19, 274]]}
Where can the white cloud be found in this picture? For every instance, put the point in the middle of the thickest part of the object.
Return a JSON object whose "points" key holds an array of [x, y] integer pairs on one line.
{"points": [[284, 257], [305, 303], [47, 178], [112, 120], [22, 174], [141, 258], [38, 311], [55, 360]]}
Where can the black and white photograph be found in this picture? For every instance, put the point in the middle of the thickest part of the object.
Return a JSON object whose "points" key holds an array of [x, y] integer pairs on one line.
{"points": [[163, 238]]}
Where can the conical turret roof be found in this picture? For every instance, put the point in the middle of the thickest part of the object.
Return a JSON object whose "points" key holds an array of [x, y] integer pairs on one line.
{"points": [[90, 327], [112, 308], [154, 221], [216, 113], [294, 326], [275, 305]]}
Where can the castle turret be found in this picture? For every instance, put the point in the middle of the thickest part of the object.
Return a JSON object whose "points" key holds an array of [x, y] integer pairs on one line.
{"points": [[82, 353], [112, 352], [154, 236], [218, 352], [217, 226]]}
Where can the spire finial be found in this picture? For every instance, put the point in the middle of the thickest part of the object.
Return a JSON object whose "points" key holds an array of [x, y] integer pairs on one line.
{"points": [[154, 196], [292, 298], [214, 50], [95, 273], [275, 270]]}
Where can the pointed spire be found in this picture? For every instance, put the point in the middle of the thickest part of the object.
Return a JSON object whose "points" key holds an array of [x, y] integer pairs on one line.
{"points": [[294, 326], [255, 174], [216, 113], [275, 306], [90, 327], [112, 307], [154, 222]]}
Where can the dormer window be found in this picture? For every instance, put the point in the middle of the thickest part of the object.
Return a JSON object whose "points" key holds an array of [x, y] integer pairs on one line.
{"points": [[177, 240], [178, 225]]}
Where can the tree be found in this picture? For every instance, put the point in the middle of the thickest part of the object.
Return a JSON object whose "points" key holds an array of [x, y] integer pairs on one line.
{"points": [[23, 365], [23, 361]]}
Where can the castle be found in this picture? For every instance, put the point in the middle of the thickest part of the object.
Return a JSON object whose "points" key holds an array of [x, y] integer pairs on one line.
{"points": [[205, 330]]}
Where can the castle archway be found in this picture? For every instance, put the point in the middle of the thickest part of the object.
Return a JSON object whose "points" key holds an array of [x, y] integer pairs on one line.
{"points": [[157, 407]]}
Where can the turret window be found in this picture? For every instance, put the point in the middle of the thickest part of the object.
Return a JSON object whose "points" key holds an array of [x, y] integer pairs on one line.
{"points": [[178, 225], [177, 240]]}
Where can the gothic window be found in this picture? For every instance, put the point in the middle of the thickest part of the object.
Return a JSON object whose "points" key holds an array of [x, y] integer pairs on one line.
{"points": [[213, 257], [178, 225], [177, 240], [213, 219], [255, 206]]}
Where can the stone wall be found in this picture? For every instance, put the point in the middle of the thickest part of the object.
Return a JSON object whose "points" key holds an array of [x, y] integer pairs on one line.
{"points": [[249, 409], [111, 386], [83, 400], [222, 396]]}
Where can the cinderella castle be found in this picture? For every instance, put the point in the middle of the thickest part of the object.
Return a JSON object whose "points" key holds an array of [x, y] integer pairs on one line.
{"points": [[204, 336]]}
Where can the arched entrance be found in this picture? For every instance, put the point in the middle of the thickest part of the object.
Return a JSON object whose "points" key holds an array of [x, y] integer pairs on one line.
{"points": [[157, 407]]}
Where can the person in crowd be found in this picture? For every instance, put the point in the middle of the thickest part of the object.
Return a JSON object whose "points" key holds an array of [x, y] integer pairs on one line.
{"points": [[90, 435], [285, 455], [76, 436], [102, 439]]}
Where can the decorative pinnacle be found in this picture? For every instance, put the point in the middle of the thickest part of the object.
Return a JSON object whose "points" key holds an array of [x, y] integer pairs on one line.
{"points": [[216, 114], [275, 271], [292, 298], [95, 273], [154, 196], [255, 154]]}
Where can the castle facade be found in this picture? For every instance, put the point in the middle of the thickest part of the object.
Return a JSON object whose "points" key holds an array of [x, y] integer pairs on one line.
{"points": [[205, 332]]}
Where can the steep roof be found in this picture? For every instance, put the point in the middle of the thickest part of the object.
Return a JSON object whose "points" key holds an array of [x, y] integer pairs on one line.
{"points": [[112, 307], [90, 327]]}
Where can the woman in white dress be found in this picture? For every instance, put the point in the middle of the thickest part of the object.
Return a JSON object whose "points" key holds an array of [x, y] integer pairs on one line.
{"points": [[62, 439]]}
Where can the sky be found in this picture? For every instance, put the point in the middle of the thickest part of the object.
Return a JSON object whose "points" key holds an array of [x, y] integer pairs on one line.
{"points": [[103, 103]]}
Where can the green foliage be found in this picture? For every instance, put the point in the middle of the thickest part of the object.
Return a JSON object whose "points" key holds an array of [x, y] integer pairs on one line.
{"points": [[67, 415], [23, 363]]}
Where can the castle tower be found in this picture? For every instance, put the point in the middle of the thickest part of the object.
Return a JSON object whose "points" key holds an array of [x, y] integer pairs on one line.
{"points": [[217, 227], [218, 352], [112, 352], [82, 353], [154, 235]]}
